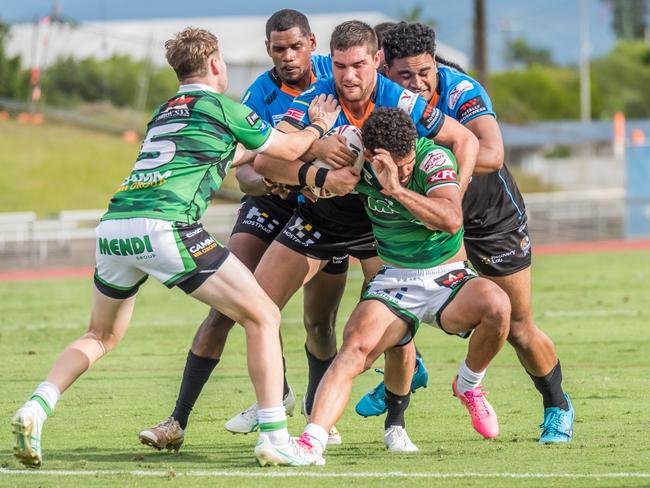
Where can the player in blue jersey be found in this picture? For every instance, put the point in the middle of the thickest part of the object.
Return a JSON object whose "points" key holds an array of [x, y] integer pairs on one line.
{"points": [[264, 211], [495, 222], [328, 227]]}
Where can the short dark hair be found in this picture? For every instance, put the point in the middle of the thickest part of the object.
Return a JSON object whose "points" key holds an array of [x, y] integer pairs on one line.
{"points": [[353, 33], [390, 129], [286, 19], [408, 39], [381, 29]]}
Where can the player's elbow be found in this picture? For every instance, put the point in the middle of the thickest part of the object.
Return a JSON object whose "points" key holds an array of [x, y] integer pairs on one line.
{"points": [[490, 157], [453, 222]]}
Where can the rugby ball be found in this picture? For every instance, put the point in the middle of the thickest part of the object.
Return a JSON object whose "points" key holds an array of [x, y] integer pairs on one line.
{"points": [[354, 142]]}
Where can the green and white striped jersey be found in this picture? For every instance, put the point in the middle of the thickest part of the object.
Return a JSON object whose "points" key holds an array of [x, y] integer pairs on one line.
{"points": [[403, 240], [189, 146]]}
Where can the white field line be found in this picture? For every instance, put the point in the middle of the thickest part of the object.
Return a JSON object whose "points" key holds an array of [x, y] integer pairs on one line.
{"points": [[590, 313], [313, 474]]}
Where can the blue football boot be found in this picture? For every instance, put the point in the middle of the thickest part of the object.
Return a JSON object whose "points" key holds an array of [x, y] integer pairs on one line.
{"points": [[374, 402], [558, 424]]}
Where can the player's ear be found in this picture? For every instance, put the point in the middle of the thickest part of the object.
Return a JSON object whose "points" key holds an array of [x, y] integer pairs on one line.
{"points": [[268, 47], [312, 41], [376, 59]]}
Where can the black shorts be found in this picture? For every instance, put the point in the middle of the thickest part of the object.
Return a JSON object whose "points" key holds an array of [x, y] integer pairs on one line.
{"points": [[500, 253], [311, 241], [265, 218]]}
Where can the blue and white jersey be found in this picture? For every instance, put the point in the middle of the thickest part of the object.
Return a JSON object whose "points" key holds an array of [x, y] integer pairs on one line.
{"points": [[460, 96], [345, 216], [270, 98], [492, 202], [387, 93]]}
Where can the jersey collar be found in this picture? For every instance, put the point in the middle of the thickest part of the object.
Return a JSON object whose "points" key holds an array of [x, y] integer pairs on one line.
{"points": [[191, 87], [275, 77], [358, 122]]}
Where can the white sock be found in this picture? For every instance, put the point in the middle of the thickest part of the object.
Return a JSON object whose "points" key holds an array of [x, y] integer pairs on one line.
{"points": [[320, 435], [46, 395], [273, 425], [468, 379]]}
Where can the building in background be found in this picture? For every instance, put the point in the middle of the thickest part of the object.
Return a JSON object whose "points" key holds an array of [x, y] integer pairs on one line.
{"points": [[241, 38]]}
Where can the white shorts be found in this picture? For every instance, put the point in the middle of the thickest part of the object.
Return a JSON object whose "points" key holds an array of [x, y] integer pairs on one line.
{"points": [[419, 295], [176, 254]]}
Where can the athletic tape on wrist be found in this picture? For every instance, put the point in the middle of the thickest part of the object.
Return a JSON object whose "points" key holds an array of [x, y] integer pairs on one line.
{"points": [[302, 174], [321, 174]]}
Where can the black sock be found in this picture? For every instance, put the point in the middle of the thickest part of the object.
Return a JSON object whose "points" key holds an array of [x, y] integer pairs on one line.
{"points": [[396, 405], [196, 374], [317, 369], [285, 390], [550, 386]]}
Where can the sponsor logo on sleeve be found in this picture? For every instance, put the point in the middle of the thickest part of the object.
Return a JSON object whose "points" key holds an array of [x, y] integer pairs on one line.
{"points": [[445, 175], [470, 108], [435, 159], [431, 119], [407, 101], [294, 113], [252, 118], [458, 90]]}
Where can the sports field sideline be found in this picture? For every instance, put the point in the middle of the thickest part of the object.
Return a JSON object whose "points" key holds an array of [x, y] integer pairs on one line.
{"points": [[594, 306]]}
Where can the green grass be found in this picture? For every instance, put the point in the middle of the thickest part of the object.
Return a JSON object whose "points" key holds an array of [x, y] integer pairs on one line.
{"points": [[593, 306], [53, 167]]}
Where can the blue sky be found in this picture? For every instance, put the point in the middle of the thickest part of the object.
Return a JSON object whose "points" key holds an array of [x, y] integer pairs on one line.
{"points": [[553, 24]]}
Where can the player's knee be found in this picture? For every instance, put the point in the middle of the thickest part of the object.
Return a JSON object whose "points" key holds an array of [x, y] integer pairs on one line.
{"points": [[216, 320], [320, 330], [355, 357], [496, 311], [522, 331], [104, 341]]}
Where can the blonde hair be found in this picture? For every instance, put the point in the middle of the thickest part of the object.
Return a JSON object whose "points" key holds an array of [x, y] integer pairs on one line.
{"points": [[188, 52]]}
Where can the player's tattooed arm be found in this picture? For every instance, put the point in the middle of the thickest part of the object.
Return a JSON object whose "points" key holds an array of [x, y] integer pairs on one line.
{"points": [[463, 144], [491, 152]]}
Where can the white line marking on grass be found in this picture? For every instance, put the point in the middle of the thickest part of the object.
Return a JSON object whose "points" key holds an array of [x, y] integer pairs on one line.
{"points": [[262, 473], [590, 313]]}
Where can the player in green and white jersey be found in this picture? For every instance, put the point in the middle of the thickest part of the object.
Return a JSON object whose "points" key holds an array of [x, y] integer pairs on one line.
{"points": [[152, 228], [411, 194]]}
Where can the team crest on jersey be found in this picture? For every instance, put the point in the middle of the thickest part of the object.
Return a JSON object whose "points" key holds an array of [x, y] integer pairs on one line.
{"points": [[407, 101], [435, 159], [458, 90]]}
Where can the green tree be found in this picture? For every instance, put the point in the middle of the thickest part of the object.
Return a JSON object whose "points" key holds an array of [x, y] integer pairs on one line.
{"points": [[14, 81], [519, 51], [621, 79], [630, 19], [416, 14]]}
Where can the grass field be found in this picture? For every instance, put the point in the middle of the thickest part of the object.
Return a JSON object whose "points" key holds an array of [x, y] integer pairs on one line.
{"points": [[595, 306], [53, 167]]}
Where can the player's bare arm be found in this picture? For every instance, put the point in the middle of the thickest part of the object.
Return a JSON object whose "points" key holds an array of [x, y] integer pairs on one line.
{"points": [[440, 209], [323, 112], [463, 144], [491, 152]]}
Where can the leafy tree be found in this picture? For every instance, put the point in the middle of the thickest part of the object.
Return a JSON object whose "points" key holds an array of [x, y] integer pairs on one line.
{"points": [[630, 19], [416, 14], [519, 51], [622, 78], [14, 81]]}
